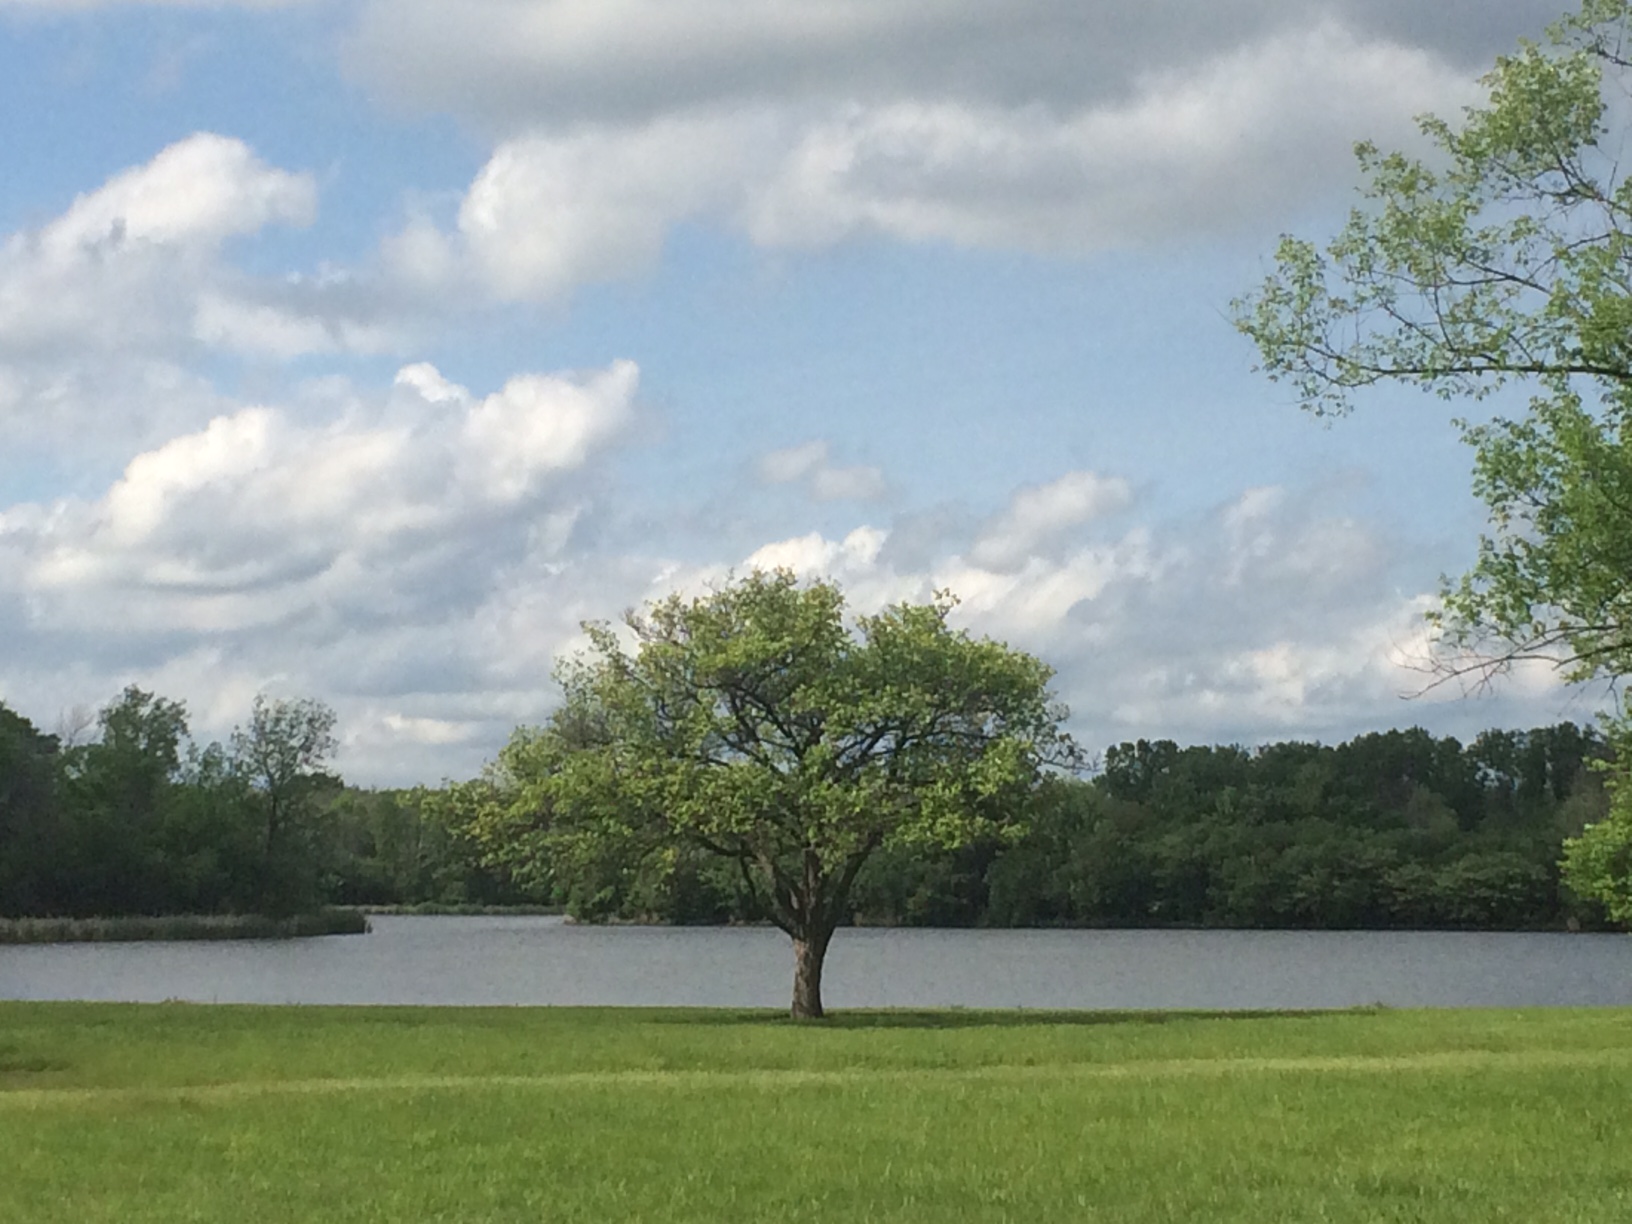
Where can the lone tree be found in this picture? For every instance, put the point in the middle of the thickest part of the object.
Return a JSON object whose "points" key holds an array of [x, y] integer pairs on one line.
{"points": [[756, 724], [1504, 256]]}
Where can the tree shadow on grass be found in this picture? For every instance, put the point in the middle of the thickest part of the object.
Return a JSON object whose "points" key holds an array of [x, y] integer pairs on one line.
{"points": [[15, 1064], [966, 1018]]}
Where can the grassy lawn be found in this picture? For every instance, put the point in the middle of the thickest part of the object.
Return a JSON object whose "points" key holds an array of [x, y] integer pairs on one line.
{"points": [[177, 1112]]}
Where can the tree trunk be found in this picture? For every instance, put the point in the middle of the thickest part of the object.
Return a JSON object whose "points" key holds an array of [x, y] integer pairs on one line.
{"points": [[808, 955]]}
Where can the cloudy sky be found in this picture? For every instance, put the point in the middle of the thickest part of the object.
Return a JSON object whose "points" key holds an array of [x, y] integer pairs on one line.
{"points": [[360, 349]]}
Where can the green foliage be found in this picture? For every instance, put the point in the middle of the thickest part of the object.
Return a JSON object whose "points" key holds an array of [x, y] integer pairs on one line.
{"points": [[116, 790], [1499, 256], [398, 848], [140, 820], [282, 754], [757, 726], [1399, 829], [1597, 861], [1395, 830], [1503, 256], [29, 808], [1392, 830]]}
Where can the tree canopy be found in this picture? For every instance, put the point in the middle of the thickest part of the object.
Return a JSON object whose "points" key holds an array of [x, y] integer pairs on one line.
{"points": [[1500, 256], [758, 724]]}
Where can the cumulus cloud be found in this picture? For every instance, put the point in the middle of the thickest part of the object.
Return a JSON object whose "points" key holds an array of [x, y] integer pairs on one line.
{"points": [[1219, 140], [192, 195], [420, 555], [808, 465], [258, 518], [1039, 516], [137, 269], [97, 406], [410, 565], [1037, 125], [253, 328], [398, 559], [1266, 619], [547, 214], [104, 308], [119, 268]]}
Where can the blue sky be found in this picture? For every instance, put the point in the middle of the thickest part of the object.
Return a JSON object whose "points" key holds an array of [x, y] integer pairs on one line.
{"points": [[359, 349]]}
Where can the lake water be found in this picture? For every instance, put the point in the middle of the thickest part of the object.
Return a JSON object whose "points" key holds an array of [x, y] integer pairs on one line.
{"points": [[542, 960]]}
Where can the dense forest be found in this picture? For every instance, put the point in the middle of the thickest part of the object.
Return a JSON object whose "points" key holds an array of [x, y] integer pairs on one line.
{"points": [[1395, 829]]}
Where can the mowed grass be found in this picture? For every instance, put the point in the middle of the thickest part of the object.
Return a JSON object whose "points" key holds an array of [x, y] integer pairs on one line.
{"points": [[242, 1115]]}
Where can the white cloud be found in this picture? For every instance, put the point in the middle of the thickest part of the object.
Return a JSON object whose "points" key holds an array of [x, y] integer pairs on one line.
{"points": [[427, 381], [406, 728], [381, 562], [135, 273], [257, 518], [808, 464], [401, 559], [99, 406], [549, 213], [1181, 632], [814, 554], [1222, 141], [793, 463], [104, 308], [195, 193], [1039, 516], [257, 329], [858, 483], [539, 424], [118, 269]]}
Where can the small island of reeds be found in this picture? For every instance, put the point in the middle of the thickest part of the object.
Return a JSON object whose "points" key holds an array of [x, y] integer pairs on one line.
{"points": [[332, 921]]}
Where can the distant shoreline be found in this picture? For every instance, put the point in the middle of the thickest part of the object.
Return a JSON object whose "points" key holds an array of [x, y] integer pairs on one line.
{"points": [[436, 909]]}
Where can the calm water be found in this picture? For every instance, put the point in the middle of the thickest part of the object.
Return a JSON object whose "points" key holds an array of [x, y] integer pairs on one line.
{"points": [[537, 960]]}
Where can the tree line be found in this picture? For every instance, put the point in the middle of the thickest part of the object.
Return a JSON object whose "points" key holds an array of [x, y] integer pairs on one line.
{"points": [[1394, 829], [1397, 829], [131, 817]]}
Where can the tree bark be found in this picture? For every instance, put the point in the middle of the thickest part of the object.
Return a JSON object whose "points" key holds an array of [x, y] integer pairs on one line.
{"points": [[808, 954]]}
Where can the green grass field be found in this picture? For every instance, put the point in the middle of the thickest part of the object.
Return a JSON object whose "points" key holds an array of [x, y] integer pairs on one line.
{"points": [[242, 1115]]}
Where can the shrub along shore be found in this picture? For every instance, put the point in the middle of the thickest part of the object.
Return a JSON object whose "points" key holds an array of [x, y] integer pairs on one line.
{"points": [[333, 921], [167, 1112]]}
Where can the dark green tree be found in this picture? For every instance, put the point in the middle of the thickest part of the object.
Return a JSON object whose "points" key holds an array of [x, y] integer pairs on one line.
{"points": [[117, 790], [282, 753], [30, 814]]}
